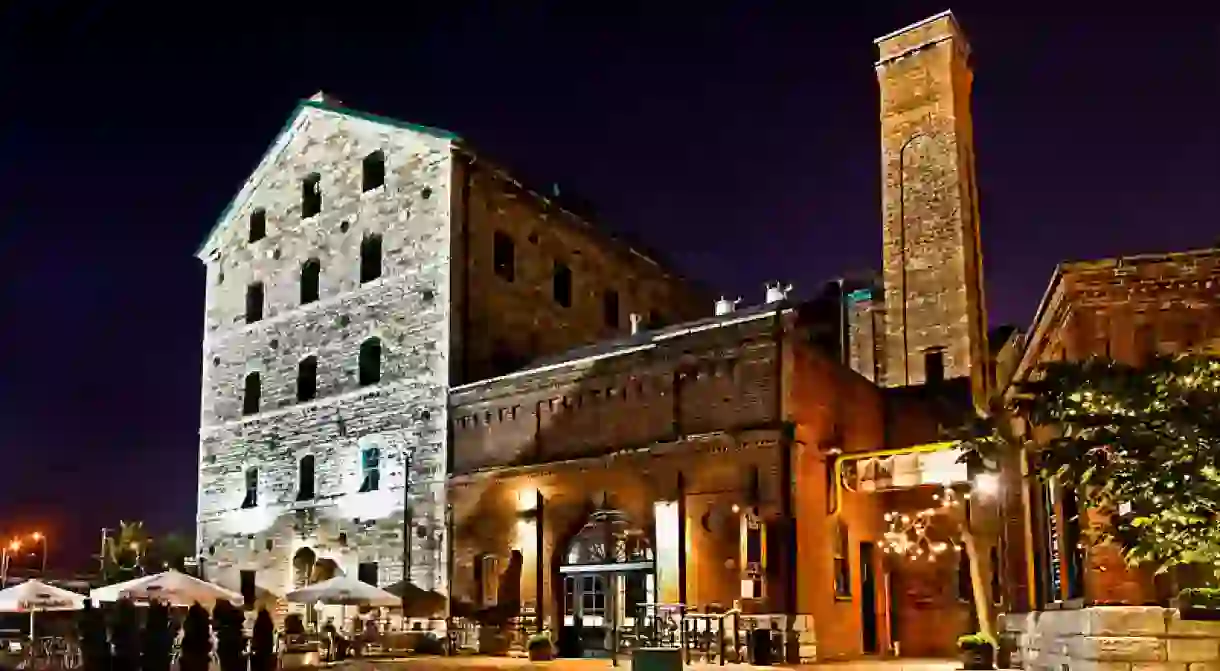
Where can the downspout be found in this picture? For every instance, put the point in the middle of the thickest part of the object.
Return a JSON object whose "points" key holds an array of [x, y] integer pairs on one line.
{"points": [[787, 429]]}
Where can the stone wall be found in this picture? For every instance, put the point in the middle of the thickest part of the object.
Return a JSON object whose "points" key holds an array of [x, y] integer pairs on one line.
{"points": [[931, 254], [407, 308], [1114, 638]]}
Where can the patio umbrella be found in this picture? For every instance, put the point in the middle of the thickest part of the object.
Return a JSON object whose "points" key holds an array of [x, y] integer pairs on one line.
{"points": [[173, 587], [344, 591], [33, 595], [417, 601]]}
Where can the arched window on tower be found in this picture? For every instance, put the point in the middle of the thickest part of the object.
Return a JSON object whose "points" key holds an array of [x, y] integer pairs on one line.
{"points": [[252, 392], [307, 379], [254, 302], [370, 258], [311, 272], [305, 478], [258, 225], [370, 361]]}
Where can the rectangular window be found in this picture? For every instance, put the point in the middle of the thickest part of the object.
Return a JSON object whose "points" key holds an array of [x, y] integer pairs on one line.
{"points": [[258, 225], [1073, 545], [489, 579], [562, 285], [311, 195], [248, 592], [370, 258], [965, 588], [370, 469], [252, 394], [610, 309], [934, 365], [305, 478], [251, 498], [254, 302], [842, 561], [504, 259], [366, 572]]}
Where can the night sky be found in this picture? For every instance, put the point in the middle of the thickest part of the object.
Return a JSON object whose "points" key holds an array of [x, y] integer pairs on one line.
{"points": [[742, 144]]}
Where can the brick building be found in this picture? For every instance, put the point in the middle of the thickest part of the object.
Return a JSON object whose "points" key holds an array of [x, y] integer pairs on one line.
{"points": [[1122, 309], [364, 268]]}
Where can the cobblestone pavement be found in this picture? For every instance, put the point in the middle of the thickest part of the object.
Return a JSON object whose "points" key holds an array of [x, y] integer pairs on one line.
{"points": [[478, 663]]}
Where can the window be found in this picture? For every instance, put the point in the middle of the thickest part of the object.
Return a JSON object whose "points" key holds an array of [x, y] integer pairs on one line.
{"points": [[370, 258], [374, 172], [934, 365], [258, 225], [487, 579], [311, 272], [305, 472], [307, 379], [366, 572], [311, 195], [370, 467], [248, 594], [610, 308], [842, 561], [251, 498], [254, 302], [965, 588], [562, 285], [370, 361], [252, 395], [504, 256]]}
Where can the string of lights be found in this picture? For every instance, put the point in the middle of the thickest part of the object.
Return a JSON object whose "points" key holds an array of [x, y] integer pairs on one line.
{"points": [[912, 535]]}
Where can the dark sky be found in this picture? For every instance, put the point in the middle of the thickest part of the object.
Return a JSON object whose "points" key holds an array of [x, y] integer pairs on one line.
{"points": [[741, 143]]}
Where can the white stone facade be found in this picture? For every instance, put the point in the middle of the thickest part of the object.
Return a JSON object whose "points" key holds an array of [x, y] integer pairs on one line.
{"points": [[403, 414], [1113, 638]]}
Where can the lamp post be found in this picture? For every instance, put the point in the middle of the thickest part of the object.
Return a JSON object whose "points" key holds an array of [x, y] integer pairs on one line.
{"points": [[6, 558], [40, 537]]}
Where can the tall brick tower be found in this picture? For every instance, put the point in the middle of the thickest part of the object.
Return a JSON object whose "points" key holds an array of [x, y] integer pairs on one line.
{"points": [[934, 309]]}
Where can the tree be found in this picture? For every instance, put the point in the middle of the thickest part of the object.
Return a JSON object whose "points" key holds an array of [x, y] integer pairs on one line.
{"points": [[1142, 446], [1138, 444]]}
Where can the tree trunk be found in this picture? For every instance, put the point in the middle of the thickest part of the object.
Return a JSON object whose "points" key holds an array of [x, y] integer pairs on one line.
{"points": [[979, 583]]}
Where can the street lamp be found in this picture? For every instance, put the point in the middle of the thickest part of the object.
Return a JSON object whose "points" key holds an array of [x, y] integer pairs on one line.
{"points": [[6, 558], [39, 537]]}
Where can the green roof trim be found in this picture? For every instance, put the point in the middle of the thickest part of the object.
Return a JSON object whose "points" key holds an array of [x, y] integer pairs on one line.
{"points": [[325, 107], [860, 295]]}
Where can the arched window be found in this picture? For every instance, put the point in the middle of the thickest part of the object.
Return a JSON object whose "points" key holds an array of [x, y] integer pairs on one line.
{"points": [[258, 225], [253, 392], [370, 361], [311, 271], [305, 473], [311, 195], [254, 302], [370, 468], [251, 497], [370, 258], [307, 378], [608, 538], [374, 170]]}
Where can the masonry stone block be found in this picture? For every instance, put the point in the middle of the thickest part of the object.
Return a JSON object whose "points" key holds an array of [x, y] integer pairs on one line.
{"points": [[1119, 648], [1123, 621], [1193, 649]]}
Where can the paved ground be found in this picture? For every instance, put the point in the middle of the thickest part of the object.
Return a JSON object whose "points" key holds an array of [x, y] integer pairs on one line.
{"points": [[476, 663]]}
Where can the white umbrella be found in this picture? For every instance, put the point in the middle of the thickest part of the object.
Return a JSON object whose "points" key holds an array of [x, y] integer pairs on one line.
{"points": [[173, 587], [344, 591], [33, 595]]}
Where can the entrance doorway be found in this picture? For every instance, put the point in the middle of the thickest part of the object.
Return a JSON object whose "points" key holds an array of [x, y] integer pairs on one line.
{"points": [[607, 575], [868, 598]]}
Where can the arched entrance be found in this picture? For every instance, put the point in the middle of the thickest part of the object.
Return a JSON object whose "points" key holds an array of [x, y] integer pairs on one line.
{"points": [[608, 573]]}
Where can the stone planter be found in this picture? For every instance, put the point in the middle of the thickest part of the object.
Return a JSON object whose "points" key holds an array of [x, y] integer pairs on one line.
{"points": [[1196, 611], [542, 652], [978, 657]]}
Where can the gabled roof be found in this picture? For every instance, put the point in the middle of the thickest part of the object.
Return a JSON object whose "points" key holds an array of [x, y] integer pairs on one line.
{"points": [[319, 101]]}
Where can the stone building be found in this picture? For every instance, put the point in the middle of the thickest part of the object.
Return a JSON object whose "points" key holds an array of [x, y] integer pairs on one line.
{"points": [[365, 267], [1072, 603]]}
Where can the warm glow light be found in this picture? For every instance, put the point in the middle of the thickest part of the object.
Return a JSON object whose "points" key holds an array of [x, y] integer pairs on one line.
{"points": [[987, 484], [736, 508], [134, 546], [37, 535], [14, 545]]}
